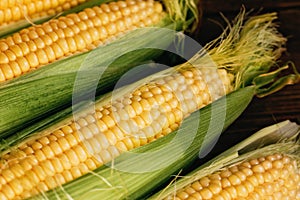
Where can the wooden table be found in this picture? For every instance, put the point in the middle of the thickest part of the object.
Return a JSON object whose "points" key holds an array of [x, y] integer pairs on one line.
{"points": [[279, 106]]}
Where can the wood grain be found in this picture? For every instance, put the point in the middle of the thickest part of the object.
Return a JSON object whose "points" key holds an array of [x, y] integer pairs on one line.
{"points": [[280, 106]]}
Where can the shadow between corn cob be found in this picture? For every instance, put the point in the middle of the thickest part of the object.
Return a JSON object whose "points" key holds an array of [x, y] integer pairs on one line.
{"points": [[133, 118]]}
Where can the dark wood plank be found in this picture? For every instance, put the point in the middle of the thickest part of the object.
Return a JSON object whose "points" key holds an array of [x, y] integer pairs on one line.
{"points": [[262, 112], [213, 6]]}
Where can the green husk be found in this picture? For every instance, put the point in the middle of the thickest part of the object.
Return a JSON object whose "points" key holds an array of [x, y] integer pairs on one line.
{"points": [[42, 92], [278, 138]]}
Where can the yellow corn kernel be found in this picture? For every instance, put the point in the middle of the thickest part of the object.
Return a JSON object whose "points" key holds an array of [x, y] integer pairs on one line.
{"points": [[242, 184]]}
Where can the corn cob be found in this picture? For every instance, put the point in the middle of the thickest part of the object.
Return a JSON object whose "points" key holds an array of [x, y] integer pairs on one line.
{"points": [[77, 146], [147, 113], [42, 44], [263, 166], [275, 176], [15, 10]]}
